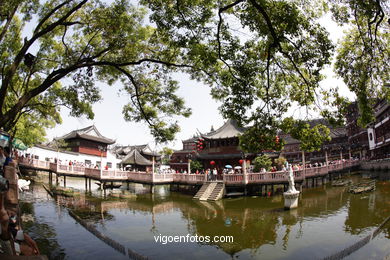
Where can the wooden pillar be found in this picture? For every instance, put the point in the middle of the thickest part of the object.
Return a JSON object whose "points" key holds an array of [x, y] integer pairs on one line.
{"points": [[50, 178], [86, 183], [57, 182], [245, 172], [64, 181], [326, 157], [304, 167], [89, 184], [189, 165]]}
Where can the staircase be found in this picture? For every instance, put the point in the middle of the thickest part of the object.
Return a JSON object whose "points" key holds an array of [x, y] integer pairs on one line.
{"points": [[211, 191], [217, 192]]}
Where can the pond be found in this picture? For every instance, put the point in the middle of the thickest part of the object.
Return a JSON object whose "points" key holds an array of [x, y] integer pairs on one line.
{"points": [[89, 226]]}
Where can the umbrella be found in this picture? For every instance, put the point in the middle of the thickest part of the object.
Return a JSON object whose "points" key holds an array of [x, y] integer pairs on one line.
{"points": [[228, 166], [18, 144], [238, 167]]}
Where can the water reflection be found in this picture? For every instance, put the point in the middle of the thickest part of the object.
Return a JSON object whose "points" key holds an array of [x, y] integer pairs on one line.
{"points": [[328, 219]]}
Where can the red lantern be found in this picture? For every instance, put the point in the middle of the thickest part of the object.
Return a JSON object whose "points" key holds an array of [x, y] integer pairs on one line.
{"points": [[212, 163], [277, 139], [241, 161]]}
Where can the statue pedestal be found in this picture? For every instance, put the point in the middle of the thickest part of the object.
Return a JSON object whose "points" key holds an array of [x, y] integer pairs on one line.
{"points": [[291, 199]]}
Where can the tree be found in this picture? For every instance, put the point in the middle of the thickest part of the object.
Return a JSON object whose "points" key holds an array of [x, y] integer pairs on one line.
{"points": [[260, 58], [262, 161], [280, 161], [74, 44], [166, 152], [274, 61], [196, 166], [363, 57]]}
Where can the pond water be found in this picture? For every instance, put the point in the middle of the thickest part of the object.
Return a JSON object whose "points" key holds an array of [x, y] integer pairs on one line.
{"points": [[328, 220]]}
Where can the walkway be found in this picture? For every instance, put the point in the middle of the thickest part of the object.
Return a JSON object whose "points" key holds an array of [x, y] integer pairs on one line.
{"points": [[180, 178]]}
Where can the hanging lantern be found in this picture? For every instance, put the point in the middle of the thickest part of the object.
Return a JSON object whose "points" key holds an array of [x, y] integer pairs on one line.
{"points": [[212, 163], [241, 161], [277, 139]]}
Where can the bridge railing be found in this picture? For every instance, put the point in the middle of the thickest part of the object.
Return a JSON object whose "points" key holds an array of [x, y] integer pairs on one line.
{"points": [[188, 178], [267, 177], [34, 163], [92, 173], [167, 177]]}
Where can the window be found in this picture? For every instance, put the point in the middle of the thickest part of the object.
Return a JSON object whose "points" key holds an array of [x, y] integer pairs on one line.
{"points": [[370, 136], [109, 164], [88, 162]]}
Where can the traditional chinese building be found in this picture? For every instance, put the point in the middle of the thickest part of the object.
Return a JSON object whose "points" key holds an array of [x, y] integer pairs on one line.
{"points": [[221, 147], [87, 140], [139, 157], [379, 131], [357, 136], [335, 149], [179, 159]]}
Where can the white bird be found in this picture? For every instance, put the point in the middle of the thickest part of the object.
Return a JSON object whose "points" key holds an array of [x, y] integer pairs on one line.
{"points": [[23, 184]]}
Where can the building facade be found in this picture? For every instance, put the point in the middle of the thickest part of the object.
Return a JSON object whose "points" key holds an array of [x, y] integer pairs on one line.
{"points": [[179, 159], [379, 131], [357, 135], [335, 149], [87, 140]]}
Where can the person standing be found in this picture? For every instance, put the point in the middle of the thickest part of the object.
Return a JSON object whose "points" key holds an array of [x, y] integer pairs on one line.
{"points": [[215, 173]]}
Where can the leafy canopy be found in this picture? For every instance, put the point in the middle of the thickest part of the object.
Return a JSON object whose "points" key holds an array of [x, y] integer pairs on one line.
{"points": [[262, 161], [260, 58], [73, 45]]}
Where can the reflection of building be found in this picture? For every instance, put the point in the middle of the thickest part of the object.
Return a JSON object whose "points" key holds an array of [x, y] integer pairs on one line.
{"points": [[357, 136], [379, 131], [87, 140]]}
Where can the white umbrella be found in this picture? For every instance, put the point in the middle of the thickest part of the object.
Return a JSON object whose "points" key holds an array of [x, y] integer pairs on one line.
{"points": [[238, 167]]}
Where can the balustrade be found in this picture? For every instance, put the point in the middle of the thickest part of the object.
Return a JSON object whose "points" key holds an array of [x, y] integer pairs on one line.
{"points": [[148, 177]]}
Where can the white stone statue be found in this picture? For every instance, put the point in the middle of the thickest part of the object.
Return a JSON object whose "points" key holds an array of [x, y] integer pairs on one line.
{"points": [[291, 195], [291, 184]]}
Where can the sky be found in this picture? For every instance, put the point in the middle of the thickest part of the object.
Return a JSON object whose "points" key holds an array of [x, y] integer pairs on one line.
{"points": [[110, 123]]}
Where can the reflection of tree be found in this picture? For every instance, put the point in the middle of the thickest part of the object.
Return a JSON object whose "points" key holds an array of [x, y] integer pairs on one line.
{"points": [[368, 209], [42, 233]]}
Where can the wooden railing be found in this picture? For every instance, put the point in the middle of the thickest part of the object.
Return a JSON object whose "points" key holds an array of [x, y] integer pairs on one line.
{"points": [[148, 177]]}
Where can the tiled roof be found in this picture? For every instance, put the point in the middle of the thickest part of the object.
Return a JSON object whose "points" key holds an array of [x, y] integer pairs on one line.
{"points": [[134, 157], [88, 133], [228, 130]]}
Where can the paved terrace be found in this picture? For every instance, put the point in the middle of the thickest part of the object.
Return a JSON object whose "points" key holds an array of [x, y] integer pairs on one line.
{"points": [[279, 177]]}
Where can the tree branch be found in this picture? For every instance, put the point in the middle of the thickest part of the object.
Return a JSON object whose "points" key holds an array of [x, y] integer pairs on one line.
{"points": [[19, 57], [9, 19], [220, 11]]}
